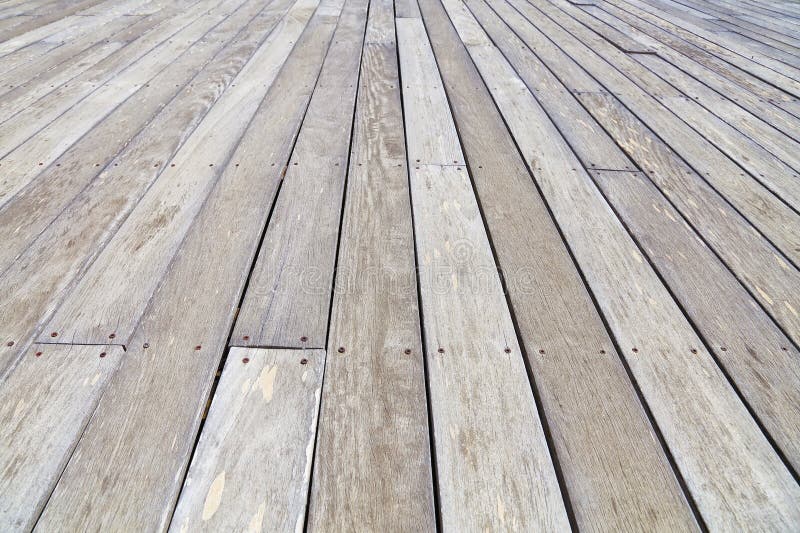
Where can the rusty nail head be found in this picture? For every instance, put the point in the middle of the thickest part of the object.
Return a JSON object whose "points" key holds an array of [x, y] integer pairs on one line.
{"points": [[54, 334], [245, 360], [303, 361], [246, 337], [102, 354], [507, 350], [541, 352], [10, 343], [724, 349], [38, 354], [636, 350], [303, 338], [198, 347], [694, 350], [113, 335], [341, 349], [602, 352], [407, 351], [146, 345], [441, 350]]}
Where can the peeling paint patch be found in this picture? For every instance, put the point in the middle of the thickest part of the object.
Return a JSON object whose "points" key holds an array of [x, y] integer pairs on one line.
{"points": [[214, 496]]}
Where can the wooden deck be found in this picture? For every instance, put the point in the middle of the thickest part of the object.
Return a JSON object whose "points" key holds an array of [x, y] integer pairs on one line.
{"points": [[411, 265]]}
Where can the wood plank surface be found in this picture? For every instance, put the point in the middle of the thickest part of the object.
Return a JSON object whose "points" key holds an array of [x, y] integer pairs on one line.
{"points": [[494, 467], [264, 413], [665, 355], [592, 409], [177, 348], [109, 301], [44, 406], [289, 293], [373, 468]]}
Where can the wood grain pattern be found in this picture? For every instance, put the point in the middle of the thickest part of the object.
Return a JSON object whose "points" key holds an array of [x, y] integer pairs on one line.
{"points": [[768, 274], [592, 410], [109, 301], [264, 413], [289, 293], [185, 332], [493, 464], [373, 460], [44, 406], [726, 450], [82, 226]]}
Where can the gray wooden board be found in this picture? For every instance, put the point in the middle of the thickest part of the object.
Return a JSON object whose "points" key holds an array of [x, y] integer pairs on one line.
{"points": [[768, 275], [111, 297], [592, 145], [762, 362], [38, 276], [776, 220], [251, 468], [732, 471], [289, 293], [39, 21], [114, 481], [494, 468], [44, 406], [32, 81], [373, 460], [706, 55], [777, 176], [168, 104], [616, 473], [33, 149], [725, 87]]}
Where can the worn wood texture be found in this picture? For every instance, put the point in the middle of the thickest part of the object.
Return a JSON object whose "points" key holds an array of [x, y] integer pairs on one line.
{"points": [[726, 450], [109, 301], [264, 413], [176, 349], [760, 266], [762, 361], [592, 409], [44, 406], [373, 461], [289, 293], [478, 383]]}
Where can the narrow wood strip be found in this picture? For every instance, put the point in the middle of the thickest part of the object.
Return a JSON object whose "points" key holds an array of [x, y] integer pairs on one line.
{"points": [[44, 406], [373, 462], [493, 464], [252, 464], [729, 466], [176, 350], [110, 301], [616, 473], [289, 293]]}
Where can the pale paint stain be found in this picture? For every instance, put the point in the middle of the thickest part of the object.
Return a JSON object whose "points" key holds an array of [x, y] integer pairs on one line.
{"points": [[214, 496], [636, 255], [304, 376], [782, 263], [764, 295], [791, 309], [257, 522], [266, 382], [96, 378], [501, 510]]}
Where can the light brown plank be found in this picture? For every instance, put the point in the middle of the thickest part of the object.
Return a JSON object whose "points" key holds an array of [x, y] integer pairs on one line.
{"points": [[494, 468], [252, 465]]}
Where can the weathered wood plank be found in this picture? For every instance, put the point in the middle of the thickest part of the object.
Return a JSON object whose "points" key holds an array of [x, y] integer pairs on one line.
{"points": [[252, 464], [762, 362], [36, 137], [44, 406], [615, 472], [114, 481], [493, 464], [775, 219], [289, 293], [111, 297], [373, 460], [82, 226], [701, 66], [768, 274], [731, 469]]}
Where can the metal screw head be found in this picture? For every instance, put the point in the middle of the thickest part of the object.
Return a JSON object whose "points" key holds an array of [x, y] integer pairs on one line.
{"points": [[440, 350], [507, 350], [341, 349], [407, 351]]}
